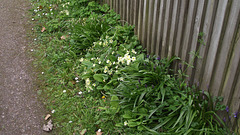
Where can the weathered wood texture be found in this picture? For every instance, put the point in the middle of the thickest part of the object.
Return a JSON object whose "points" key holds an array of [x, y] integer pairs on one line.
{"points": [[171, 27]]}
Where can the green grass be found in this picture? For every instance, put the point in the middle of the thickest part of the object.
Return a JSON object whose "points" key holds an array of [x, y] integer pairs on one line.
{"points": [[95, 75]]}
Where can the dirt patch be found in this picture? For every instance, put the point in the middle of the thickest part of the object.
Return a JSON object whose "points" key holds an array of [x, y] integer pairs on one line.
{"points": [[20, 111]]}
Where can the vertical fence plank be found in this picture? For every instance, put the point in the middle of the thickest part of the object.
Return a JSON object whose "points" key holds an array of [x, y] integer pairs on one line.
{"points": [[155, 26], [150, 25], [226, 48], [232, 71], [193, 48], [111, 4], [117, 6], [180, 28], [145, 23], [207, 30], [218, 24], [235, 104], [188, 31], [121, 9], [173, 28], [166, 28], [131, 11], [124, 10], [160, 27], [136, 15], [127, 4], [140, 19]]}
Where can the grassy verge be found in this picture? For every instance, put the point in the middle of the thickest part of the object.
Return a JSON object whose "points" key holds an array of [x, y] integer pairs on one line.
{"points": [[95, 75]]}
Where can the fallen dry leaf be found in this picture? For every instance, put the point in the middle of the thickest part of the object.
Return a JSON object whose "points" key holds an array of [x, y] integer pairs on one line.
{"points": [[63, 37], [40, 7], [73, 82], [99, 133], [83, 132], [48, 127], [43, 29], [48, 116]]}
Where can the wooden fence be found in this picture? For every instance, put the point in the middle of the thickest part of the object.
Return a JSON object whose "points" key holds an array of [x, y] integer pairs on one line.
{"points": [[172, 27]]}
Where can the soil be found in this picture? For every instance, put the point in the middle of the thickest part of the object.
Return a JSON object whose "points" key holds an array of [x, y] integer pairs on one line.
{"points": [[21, 113]]}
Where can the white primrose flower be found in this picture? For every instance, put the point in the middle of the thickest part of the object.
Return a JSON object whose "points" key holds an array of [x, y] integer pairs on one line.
{"points": [[108, 61], [105, 69], [94, 65], [120, 79], [126, 56], [53, 111], [67, 12], [128, 62], [111, 41], [133, 51], [82, 59], [133, 58], [125, 123], [119, 59], [110, 72], [94, 84]]}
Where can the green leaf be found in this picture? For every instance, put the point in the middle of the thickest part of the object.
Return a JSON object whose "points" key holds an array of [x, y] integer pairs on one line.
{"points": [[100, 77], [87, 63], [114, 101], [133, 124]]}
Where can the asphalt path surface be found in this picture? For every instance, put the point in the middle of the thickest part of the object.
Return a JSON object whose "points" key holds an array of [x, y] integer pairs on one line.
{"points": [[21, 113]]}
